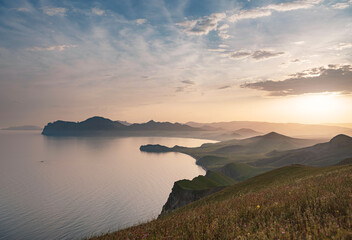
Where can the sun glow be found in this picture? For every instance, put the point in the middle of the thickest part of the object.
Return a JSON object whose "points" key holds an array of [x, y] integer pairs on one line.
{"points": [[318, 107]]}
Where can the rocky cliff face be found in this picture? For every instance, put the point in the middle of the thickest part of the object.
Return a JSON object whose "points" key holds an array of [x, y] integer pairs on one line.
{"points": [[180, 197]]}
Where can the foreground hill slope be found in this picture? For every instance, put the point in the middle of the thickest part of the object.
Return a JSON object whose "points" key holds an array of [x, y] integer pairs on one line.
{"points": [[294, 202]]}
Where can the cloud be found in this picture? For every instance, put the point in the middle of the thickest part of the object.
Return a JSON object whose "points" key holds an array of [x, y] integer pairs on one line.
{"points": [[267, 10], [54, 11], [289, 6], [249, 14], [224, 87], [207, 24], [59, 48], [334, 78], [141, 21], [203, 25], [217, 50], [342, 46], [180, 89], [98, 11], [223, 30], [240, 54], [257, 55], [22, 9], [299, 42], [262, 54], [188, 82], [342, 5]]}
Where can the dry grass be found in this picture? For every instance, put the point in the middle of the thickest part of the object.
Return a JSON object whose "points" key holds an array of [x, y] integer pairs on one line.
{"points": [[313, 205]]}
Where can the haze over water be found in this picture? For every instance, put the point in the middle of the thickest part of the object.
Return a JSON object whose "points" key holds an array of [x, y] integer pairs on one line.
{"points": [[69, 188]]}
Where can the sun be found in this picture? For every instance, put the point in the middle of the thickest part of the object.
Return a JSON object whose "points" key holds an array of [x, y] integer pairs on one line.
{"points": [[319, 107]]}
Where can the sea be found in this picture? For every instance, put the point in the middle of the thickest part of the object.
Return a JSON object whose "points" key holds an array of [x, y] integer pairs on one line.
{"points": [[77, 187]]}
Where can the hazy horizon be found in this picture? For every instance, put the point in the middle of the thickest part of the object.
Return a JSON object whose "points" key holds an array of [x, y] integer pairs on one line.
{"points": [[178, 61], [336, 124]]}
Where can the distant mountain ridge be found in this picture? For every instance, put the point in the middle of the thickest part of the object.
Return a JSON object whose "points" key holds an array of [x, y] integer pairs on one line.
{"points": [[100, 124], [24, 127], [337, 149], [263, 143], [291, 129], [247, 132]]}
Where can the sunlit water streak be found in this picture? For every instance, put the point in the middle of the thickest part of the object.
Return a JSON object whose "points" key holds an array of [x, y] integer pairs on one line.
{"points": [[84, 186]]}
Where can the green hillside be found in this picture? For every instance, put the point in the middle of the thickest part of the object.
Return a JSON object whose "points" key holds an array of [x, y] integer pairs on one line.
{"points": [[210, 180], [294, 202], [214, 155], [240, 171]]}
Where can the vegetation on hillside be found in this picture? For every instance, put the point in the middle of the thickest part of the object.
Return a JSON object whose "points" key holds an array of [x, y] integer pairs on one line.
{"points": [[210, 180], [295, 202]]}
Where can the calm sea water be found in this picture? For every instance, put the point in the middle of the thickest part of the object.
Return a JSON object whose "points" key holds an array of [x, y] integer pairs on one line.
{"points": [[69, 188]]}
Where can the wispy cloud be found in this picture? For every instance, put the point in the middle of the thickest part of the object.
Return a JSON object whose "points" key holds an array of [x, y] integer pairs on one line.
{"points": [[342, 5], [202, 26], [59, 48], [217, 50], [141, 21], [224, 87], [342, 46], [54, 11], [22, 9], [98, 11], [334, 78], [207, 24], [180, 89], [298, 42], [257, 55], [262, 54], [223, 31], [188, 82], [240, 54], [295, 5], [249, 14]]}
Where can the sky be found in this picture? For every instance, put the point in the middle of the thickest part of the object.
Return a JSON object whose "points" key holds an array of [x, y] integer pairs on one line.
{"points": [[178, 61]]}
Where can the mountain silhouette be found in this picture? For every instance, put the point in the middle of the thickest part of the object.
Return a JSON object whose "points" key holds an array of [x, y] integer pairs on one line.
{"points": [[247, 132], [323, 154], [104, 125]]}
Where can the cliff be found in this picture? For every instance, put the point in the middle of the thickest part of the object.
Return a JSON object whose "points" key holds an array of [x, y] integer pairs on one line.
{"points": [[180, 197]]}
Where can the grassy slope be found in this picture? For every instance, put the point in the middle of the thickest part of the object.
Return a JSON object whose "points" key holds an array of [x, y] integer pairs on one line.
{"points": [[211, 180], [240, 171], [295, 202]]}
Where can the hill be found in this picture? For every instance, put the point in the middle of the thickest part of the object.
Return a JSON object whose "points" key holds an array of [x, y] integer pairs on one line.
{"points": [[161, 126], [186, 191], [242, 159], [323, 154], [247, 132], [345, 161], [100, 125], [89, 125], [291, 129], [230, 159], [215, 155], [294, 202]]}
